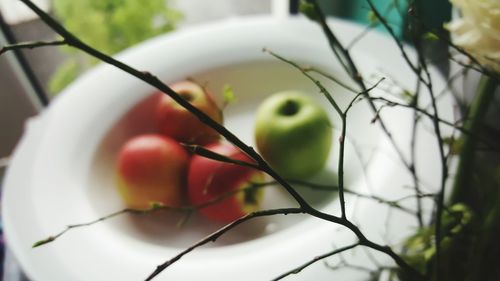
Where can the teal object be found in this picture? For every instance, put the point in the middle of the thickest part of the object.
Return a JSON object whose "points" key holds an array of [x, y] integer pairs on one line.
{"points": [[393, 10], [434, 13], [359, 10]]}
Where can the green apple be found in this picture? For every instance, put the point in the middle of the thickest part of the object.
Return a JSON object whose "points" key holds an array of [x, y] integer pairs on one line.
{"points": [[293, 134]]}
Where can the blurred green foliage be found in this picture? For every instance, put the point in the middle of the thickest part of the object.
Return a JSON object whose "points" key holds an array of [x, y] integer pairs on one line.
{"points": [[458, 235], [110, 26]]}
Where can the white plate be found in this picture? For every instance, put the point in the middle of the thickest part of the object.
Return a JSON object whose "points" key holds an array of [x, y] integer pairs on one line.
{"points": [[61, 172]]}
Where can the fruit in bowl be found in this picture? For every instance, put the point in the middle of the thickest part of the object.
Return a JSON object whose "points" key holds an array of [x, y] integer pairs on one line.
{"points": [[177, 122], [224, 191], [152, 168], [293, 134]]}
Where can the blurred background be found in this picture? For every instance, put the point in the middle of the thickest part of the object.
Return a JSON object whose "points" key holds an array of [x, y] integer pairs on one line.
{"points": [[30, 79]]}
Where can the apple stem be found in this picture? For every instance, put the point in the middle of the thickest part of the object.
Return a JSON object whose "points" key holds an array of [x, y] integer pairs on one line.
{"points": [[250, 196], [290, 108], [186, 96]]}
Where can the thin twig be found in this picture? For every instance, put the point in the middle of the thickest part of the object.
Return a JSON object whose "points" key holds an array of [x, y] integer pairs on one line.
{"points": [[341, 113], [214, 236], [155, 206], [298, 269], [31, 45], [440, 142], [331, 78], [350, 67], [200, 150], [392, 203], [419, 110], [52, 238], [392, 33]]}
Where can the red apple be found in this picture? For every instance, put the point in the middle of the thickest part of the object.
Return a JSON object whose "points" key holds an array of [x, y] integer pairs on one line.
{"points": [[177, 122], [152, 168], [210, 179]]}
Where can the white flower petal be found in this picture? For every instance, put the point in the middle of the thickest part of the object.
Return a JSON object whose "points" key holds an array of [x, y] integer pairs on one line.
{"points": [[478, 30]]}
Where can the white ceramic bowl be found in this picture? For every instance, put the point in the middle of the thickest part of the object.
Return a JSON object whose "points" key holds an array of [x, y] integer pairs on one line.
{"points": [[61, 173]]}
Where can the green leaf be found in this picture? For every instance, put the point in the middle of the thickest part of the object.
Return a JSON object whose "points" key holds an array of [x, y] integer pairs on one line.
{"points": [[408, 96], [110, 26], [372, 17], [308, 10], [154, 205], [430, 36], [454, 144], [228, 94], [43, 242]]}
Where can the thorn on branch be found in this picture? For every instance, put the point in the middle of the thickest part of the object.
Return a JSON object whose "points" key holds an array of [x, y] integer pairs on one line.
{"points": [[147, 73]]}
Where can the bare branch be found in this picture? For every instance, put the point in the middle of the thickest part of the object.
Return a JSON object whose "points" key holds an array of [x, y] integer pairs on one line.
{"points": [[314, 260], [350, 67], [418, 109], [154, 207], [214, 236], [52, 238], [200, 150], [31, 45]]}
